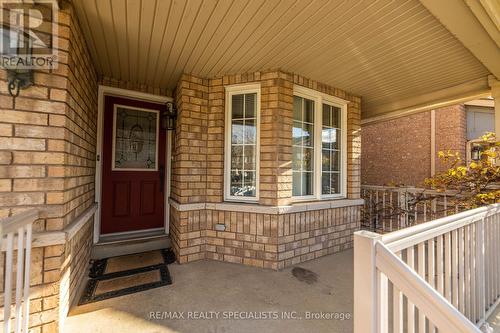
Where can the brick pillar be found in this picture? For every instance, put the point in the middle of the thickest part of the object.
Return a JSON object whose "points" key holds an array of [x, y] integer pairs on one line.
{"points": [[189, 168], [276, 116], [215, 143]]}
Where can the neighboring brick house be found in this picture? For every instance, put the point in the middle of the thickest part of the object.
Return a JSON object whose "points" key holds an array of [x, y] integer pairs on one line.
{"points": [[400, 151]]}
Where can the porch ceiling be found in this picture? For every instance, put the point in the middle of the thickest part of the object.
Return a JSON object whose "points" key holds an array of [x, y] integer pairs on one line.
{"points": [[389, 52]]}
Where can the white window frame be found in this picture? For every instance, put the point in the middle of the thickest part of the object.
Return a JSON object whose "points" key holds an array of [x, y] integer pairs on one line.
{"points": [[320, 98], [230, 91]]}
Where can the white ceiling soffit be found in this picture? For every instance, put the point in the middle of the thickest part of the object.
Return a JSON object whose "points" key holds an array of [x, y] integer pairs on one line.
{"points": [[475, 23], [386, 51]]}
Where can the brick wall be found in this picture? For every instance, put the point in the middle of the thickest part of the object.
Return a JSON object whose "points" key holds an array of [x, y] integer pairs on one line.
{"points": [[215, 141], [451, 132], [276, 113], [49, 137], [263, 240], [73, 266], [399, 150], [47, 162], [251, 238], [189, 154]]}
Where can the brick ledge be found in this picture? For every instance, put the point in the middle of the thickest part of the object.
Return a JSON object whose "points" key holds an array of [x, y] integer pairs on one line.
{"points": [[276, 210], [49, 238]]}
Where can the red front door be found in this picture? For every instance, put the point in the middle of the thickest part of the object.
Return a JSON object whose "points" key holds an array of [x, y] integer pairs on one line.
{"points": [[133, 175]]}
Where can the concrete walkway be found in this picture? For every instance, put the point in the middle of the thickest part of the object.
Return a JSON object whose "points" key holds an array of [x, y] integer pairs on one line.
{"points": [[244, 299]]}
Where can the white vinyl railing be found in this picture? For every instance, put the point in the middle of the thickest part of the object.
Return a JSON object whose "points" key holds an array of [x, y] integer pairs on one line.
{"points": [[390, 208], [439, 276], [15, 236]]}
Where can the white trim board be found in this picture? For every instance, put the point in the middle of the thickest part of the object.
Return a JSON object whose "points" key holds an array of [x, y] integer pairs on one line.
{"points": [[131, 94]]}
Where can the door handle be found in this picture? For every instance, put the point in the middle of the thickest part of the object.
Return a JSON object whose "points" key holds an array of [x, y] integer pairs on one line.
{"points": [[162, 177]]}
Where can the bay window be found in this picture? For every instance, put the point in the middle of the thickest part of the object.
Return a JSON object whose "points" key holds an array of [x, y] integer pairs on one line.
{"points": [[242, 143], [319, 154]]}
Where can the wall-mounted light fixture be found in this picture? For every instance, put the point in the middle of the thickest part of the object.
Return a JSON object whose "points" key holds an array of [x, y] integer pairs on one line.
{"points": [[168, 116], [475, 153], [19, 79]]}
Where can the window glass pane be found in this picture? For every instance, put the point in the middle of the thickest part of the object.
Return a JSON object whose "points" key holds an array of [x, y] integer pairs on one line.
{"points": [[237, 106], [336, 139], [250, 131], [327, 137], [308, 111], [325, 160], [248, 189], [237, 157], [331, 150], [249, 158], [237, 132], [297, 158], [303, 146], [297, 133], [307, 162], [296, 189], [325, 183], [334, 183], [326, 115], [297, 108], [243, 145], [335, 161], [250, 105], [307, 183], [308, 135], [236, 182], [335, 117]]}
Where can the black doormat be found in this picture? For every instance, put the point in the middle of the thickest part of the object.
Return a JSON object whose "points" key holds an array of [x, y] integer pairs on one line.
{"points": [[103, 284]]}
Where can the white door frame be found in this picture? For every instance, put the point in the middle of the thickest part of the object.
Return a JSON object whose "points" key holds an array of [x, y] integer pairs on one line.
{"points": [[131, 94]]}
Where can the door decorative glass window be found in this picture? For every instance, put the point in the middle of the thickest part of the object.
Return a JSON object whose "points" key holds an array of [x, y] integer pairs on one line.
{"points": [[135, 138]]}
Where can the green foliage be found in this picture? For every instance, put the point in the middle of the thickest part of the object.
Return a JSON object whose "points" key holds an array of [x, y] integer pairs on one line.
{"points": [[476, 184]]}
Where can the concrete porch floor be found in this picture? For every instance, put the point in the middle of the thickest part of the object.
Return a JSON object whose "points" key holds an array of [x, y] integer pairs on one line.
{"points": [[226, 288]]}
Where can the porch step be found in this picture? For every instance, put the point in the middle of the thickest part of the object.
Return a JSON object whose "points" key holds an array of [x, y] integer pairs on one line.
{"points": [[114, 246]]}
